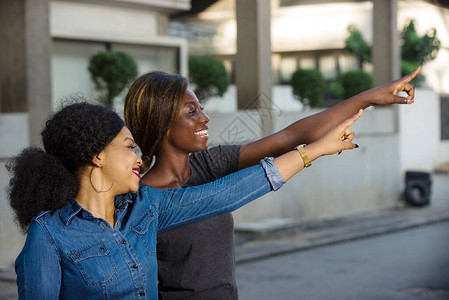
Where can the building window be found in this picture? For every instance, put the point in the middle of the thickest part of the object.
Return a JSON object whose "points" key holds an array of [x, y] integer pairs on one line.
{"points": [[307, 62], [328, 66], [287, 68], [348, 62]]}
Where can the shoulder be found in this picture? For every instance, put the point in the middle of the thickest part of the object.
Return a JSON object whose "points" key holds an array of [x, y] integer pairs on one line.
{"points": [[44, 224], [40, 236], [214, 163], [216, 152], [225, 157], [49, 217], [148, 197]]}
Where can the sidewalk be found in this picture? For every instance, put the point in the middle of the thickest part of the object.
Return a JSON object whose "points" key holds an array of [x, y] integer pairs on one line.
{"points": [[278, 237], [287, 237]]}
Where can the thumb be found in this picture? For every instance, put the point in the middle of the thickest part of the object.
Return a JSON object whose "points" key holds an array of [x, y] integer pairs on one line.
{"points": [[350, 145], [400, 100]]}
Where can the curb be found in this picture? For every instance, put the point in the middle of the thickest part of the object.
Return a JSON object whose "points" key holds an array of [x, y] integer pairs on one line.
{"points": [[8, 276], [266, 248]]}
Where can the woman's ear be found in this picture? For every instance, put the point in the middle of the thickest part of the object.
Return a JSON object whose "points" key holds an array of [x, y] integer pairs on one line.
{"points": [[99, 159]]}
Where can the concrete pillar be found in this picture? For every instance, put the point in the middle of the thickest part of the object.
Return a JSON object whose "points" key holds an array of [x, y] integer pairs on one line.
{"points": [[386, 52], [12, 57], [253, 59], [25, 84]]}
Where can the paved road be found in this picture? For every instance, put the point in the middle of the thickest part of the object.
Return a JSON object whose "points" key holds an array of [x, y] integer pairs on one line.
{"points": [[8, 290], [411, 264]]}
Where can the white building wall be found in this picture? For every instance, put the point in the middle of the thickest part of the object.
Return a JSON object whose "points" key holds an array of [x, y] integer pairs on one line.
{"points": [[420, 144], [283, 99], [320, 26], [96, 20]]}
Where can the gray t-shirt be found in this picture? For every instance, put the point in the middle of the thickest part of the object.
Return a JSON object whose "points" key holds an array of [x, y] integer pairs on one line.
{"points": [[196, 261]]}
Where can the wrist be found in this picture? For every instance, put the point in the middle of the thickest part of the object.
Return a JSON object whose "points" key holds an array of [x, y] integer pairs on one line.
{"points": [[304, 156], [313, 151], [363, 99]]}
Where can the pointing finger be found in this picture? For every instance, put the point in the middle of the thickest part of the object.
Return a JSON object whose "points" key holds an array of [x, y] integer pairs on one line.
{"points": [[409, 77], [352, 119]]}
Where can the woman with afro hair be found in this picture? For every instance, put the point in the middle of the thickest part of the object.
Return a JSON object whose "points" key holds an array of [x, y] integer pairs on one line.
{"points": [[92, 228]]}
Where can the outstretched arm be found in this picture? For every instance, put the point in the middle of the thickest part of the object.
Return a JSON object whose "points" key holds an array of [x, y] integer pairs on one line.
{"points": [[308, 130], [181, 206]]}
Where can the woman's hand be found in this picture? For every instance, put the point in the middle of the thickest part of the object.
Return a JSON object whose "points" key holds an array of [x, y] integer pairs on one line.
{"points": [[338, 138], [387, 93]]}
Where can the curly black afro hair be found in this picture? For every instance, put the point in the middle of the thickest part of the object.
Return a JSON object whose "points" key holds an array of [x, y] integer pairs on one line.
{"points": [[46, 180]]}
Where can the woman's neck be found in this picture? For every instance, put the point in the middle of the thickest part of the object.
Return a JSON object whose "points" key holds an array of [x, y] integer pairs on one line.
{"points": [[100, 205], [171, 170]]}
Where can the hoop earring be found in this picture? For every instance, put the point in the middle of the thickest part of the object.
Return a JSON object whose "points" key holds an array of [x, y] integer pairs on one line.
{"points": [[92, 184]]}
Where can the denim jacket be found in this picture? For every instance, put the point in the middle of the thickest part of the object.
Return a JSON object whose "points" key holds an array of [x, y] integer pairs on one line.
{"points": [[70, 254]]}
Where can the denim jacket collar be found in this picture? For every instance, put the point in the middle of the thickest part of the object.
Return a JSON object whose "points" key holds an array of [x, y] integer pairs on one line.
{"points": [[69, 211], [73, 208]]}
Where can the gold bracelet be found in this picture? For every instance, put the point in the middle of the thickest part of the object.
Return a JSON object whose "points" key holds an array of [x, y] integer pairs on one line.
{"points": [[304, 156]]}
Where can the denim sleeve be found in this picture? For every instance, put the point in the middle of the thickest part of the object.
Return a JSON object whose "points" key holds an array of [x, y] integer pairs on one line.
{"points": [[182, 206], [37, 267], [274, 177]]}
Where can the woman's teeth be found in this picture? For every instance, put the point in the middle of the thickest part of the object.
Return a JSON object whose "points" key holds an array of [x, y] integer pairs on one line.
{"points": [[201, 132]]}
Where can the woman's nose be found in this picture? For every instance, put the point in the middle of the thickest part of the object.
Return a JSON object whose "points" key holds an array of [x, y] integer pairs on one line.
{"points": [[204, 118]]}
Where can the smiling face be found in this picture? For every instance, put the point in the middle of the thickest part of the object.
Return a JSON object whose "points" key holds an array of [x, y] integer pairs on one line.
{"points": [[121, 160], [189, 131]]}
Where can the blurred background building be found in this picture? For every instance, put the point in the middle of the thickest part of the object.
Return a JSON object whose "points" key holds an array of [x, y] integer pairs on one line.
{"points": [[46, 46]]}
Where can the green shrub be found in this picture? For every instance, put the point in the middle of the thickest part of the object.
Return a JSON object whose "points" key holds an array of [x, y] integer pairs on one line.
{"points": [[336, 89], [209, 76], [419, 49], [112, 72], [355, 82], [309, 86], [356, 45]]}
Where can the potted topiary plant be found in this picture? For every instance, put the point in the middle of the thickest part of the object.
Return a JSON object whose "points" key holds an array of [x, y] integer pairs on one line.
{"points": [[112, 72], [417, 50], [208, 74], [308, 86], [355, 82]]}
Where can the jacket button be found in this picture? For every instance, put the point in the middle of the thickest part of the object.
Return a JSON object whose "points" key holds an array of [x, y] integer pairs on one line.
{"points": [[135, 267], [141, 293], [123, 242]]}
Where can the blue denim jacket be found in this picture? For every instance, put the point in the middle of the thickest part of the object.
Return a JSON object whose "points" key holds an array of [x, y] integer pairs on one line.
{"points": [[70, 254]]}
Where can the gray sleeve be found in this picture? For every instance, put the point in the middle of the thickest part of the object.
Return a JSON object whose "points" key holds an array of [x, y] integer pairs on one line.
{"points": [[213, 163]]}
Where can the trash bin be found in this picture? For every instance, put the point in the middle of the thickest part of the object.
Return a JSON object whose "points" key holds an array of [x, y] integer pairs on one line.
{"points": [[417, 188]]}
